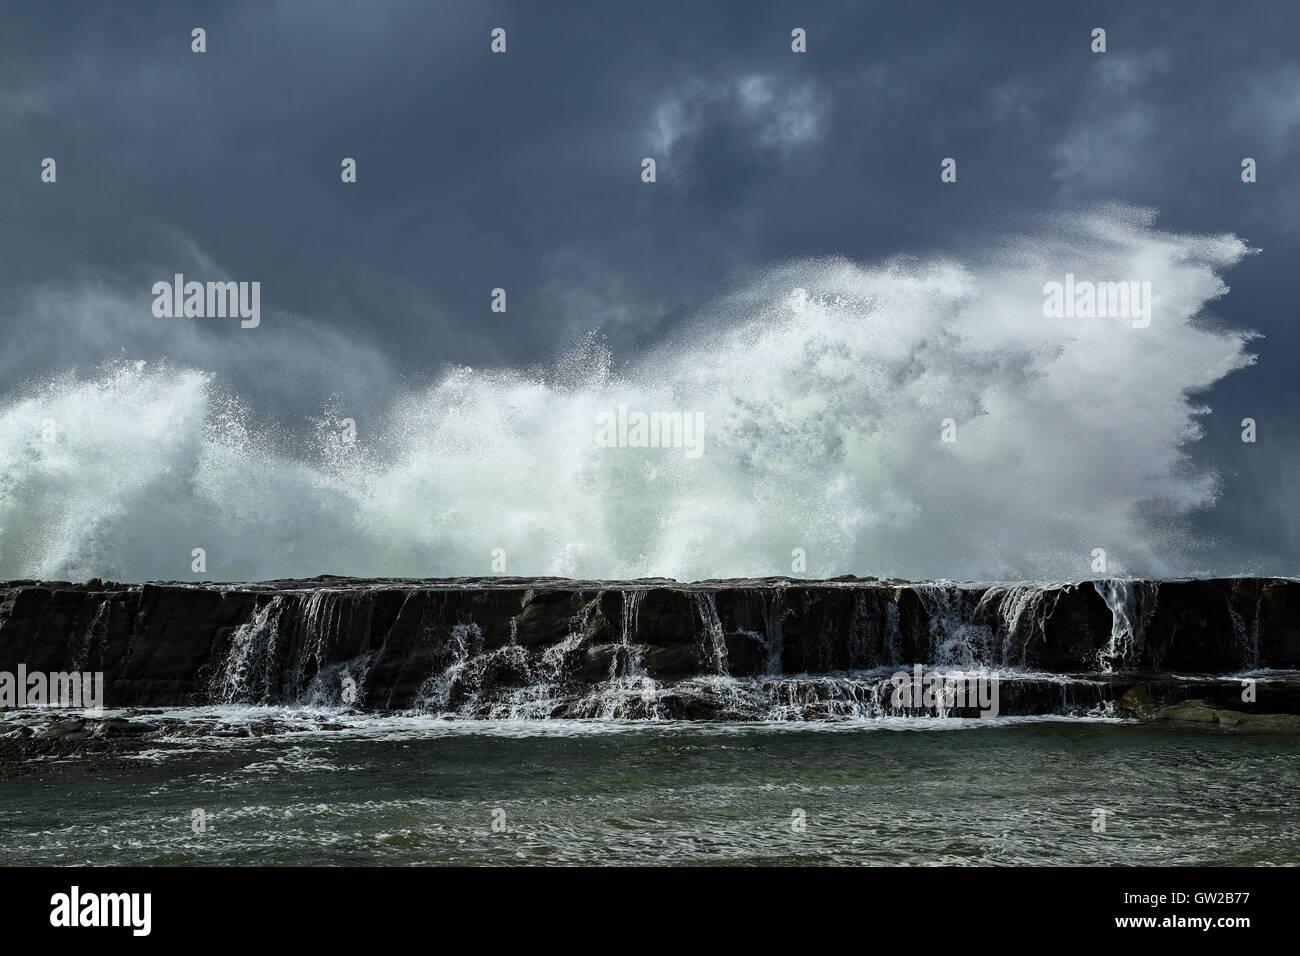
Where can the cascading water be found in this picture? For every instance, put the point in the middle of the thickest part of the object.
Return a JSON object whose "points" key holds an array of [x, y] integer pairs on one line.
{"points": [[703, 652], [285, 653], [1021, 612], [826, 698], [318, 621], [774, 630], [1131, 604], [629, 691], [1247, 633], [541, 693], [92, 639], [248, 673], [458, 678], [955, 639], [713, 642], [893, 633], [626, 659]]}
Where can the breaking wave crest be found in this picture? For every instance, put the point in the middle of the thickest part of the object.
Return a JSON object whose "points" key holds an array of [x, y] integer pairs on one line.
{"points": [[822, 385]]}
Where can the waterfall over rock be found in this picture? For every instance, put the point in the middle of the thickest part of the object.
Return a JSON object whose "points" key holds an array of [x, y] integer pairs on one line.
{"points": [[650, 649]]}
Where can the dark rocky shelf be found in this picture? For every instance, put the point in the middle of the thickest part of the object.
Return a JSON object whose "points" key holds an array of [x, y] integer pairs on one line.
{"points": [[722, 649]]}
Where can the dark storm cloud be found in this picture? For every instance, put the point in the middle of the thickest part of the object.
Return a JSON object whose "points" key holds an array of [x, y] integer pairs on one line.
{"points": [[522, 171]]}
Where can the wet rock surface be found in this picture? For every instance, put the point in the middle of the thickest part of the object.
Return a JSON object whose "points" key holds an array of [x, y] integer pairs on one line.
{"points": [[652, 648], [49, 743], [1203, 714]]}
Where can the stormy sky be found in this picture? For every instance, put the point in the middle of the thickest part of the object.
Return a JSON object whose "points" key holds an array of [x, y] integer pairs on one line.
{"points": [[522, 171]]}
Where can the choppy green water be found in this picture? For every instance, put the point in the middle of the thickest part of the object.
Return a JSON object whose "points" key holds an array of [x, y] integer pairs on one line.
{"points": [[1012, 794]]}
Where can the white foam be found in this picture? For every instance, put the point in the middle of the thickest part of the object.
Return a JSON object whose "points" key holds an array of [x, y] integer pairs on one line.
{"points": [[822, 431]]}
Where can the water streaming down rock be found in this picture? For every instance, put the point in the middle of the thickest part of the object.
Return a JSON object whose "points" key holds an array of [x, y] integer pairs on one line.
{"points": [[289, 651], [462, 677], [1248, 631], [713, 645], [1019, 615], [626, 661], [956, 638], [628, 691], [246, 673], [777, 649], [1131, 604], [88, 647]]}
